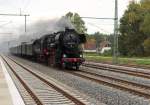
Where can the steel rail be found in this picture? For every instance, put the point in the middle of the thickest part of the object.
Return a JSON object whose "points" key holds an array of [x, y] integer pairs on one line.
{"points": [[119, 70]]}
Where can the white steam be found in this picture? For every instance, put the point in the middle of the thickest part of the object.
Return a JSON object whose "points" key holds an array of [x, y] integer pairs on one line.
{"points": [[43, 27]]}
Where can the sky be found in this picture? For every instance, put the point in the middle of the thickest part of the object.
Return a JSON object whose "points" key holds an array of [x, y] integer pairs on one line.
{"points": [[50, 9]]}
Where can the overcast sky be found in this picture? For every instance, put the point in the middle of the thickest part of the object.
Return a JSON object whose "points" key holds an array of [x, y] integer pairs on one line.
{"points": [[50, 9]]}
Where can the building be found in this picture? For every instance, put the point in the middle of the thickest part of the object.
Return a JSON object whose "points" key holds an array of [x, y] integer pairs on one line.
{"points": [[90, 46], [104, 46]]}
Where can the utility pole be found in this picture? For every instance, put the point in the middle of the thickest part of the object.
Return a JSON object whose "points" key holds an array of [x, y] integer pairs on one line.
{"points": [[25, 15], [115, 50]]}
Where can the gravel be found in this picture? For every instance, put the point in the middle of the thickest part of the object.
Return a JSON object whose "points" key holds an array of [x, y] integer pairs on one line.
{"points": [[98, 93]]}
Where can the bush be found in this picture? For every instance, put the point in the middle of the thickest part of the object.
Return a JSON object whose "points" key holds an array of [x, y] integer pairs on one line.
{"points": [[146, 45], [107, 53]]}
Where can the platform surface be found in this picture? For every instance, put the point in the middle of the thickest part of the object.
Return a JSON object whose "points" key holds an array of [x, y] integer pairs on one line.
{"points": [[9, 95], [5, 97]]}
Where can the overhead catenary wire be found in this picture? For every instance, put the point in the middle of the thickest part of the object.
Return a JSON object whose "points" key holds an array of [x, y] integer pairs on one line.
{"points": [[25, 15], [26, 5], [98, 27], [6, 33], [5, 24], [105, 18]]}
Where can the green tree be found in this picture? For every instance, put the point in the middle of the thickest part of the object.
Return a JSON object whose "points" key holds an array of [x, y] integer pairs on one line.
{"points": [[145, 27], [77, 21], [134, 28]]}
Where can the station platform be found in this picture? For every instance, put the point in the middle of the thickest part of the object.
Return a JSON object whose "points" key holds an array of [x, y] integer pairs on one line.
{"points": [[9, 94]]}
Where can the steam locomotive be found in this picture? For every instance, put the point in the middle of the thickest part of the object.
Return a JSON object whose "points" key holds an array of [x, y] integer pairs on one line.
{"points": [[61, 49]]}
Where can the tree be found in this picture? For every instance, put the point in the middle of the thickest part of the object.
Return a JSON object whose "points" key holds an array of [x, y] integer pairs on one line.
{"points": [[134, 28], [145, 27], [77, 22]]}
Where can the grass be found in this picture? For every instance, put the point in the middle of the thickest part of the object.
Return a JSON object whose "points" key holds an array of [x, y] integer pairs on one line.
{"points": [[139, 61]]}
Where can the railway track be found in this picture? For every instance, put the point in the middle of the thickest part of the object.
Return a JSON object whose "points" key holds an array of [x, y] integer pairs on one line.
{"points": [[121, 84], [131, 87], [126, 65], [136, 66], [42, 91], [134, 72]]}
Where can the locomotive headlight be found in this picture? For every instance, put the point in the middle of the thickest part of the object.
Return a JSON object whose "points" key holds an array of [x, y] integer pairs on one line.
{"points": [[64, 55]]}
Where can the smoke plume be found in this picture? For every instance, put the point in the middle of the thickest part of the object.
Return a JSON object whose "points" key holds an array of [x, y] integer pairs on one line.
{"points": [[43, 27]]}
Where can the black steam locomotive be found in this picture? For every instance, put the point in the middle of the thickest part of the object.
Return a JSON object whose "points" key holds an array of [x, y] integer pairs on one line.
{"points": [[61, 49]]}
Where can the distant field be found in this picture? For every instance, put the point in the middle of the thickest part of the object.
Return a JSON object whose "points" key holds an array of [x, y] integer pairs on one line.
{"points": [[143, 61]]}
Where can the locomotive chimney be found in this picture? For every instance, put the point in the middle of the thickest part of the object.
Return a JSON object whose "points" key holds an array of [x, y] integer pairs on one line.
{"points": [[68, 29]]}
